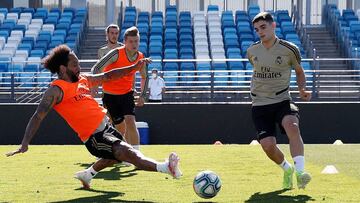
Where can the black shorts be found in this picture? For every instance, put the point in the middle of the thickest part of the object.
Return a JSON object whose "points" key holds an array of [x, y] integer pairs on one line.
{"points": [[154, 100], [119, 106], [100, 144], [267, 117]]}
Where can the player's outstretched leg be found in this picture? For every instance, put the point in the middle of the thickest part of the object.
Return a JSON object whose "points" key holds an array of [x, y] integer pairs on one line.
{"points": [[275, 154], [85, 176], [291, 126], [124, 152]]}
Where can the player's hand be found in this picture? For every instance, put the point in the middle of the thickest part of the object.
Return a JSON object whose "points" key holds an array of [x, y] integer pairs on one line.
{"points": [[140, 101], [147, 60], [305, 95], [135, 93], [22, 149], [143, 61], [94, 91]]}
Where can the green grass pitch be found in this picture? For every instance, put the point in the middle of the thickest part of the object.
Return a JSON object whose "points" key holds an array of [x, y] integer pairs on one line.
{"points": [[45, 174]]}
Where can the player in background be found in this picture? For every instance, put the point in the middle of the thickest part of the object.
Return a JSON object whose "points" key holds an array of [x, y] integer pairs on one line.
{"points": [[112, 34], [119, 94]]}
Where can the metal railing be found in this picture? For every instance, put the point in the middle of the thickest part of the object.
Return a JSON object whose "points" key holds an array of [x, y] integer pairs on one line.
{"points": [[202, 86]]}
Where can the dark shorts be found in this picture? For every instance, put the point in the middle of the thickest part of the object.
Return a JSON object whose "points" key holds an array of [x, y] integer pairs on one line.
{"points": [[100, 144], [266, 117], [155, 100], [119, 106]]}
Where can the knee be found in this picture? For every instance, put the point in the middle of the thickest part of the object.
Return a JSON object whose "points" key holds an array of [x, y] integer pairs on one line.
{"points": [[290, 123], [130, 121], [124, 152], [291, 127]]}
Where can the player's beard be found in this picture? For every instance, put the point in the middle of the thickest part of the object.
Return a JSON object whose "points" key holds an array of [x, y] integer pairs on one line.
{"points": [[72, 76], [113, 41]]}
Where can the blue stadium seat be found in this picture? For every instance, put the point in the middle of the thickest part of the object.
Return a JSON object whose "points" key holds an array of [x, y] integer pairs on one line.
{"points": [[31, 68], [4, 10], [246, 37], [16, 68], [43, 77], [186, 56], [155, 50], [213, 8], [235, 65], [44, 38], [219, 66], [203, 66], [27, 79], [58, 38], [171, 66], [4, 64], [156, 65], [186, 37], [185, 30], [186, 44], [253, 10], [241, 29], [20, 27], [28, 10], [171, 44], [233, 51], [187, 76], [51, 20], [229, 30], [25, 46], [306, 65], [62, 26], [60, 32], [55, 10], [156, 31], [15, 10], [37, 53], [170, 79], [187, 66]]}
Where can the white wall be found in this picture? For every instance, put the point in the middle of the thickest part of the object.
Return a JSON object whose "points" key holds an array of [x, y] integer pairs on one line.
{"points": [[21, 3]]}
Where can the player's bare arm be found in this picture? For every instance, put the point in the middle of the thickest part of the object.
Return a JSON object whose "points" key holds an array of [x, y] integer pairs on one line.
{"points": [[98, 79], [52, 96], [144, 85], [301, 81]]}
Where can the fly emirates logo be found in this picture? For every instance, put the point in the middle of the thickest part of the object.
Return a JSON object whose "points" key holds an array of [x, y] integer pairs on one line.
{"points": [[82, 92], [266, 72]]}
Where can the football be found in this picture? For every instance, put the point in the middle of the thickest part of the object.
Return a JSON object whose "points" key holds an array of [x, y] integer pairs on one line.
{"points": [[207, 184]]}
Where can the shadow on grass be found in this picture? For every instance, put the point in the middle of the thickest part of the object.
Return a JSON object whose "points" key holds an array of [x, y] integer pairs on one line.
{"points": [[115, 173], [276, 197], [106, 196]]}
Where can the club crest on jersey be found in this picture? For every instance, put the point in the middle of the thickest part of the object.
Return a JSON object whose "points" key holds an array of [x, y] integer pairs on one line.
{"points": [[278, 60]]}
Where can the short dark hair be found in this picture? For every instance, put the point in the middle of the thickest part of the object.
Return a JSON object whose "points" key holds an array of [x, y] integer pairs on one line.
{"points": [[266, 16], [131, 31], [58, 56], [111, 26]]}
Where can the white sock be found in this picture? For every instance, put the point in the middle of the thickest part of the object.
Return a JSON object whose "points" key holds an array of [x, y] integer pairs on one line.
{"points": [[299, 162], [137, 147], [92, 171], [162, 167], [285, 165]]}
